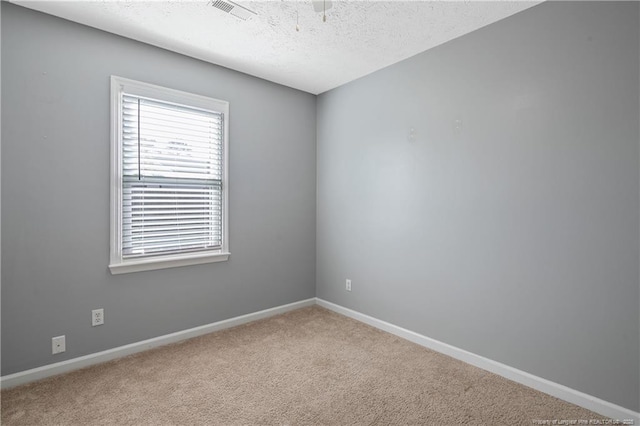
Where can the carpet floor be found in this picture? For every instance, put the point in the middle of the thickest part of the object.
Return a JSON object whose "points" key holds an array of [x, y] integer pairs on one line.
{"points": [[306, 367]]}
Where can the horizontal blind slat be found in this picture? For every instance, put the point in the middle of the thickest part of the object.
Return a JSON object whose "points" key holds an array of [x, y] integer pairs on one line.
{"points": [[157, 245]]}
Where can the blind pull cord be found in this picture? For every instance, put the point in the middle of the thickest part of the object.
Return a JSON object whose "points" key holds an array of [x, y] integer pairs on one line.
{"points": [[139, 174]]}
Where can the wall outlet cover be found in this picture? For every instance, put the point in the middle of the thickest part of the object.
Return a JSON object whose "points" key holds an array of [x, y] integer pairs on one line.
{"points": [[58, 344], [97, 317]]}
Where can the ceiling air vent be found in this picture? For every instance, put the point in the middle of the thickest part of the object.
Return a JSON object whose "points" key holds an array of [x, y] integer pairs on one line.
{"points": [[233, 9]]}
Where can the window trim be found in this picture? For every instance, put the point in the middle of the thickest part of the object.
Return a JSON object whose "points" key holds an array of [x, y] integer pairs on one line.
{"points": [[118, 264]]}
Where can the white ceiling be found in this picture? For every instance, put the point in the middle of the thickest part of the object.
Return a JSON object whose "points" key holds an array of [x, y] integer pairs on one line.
{"points": [[358, 37]]}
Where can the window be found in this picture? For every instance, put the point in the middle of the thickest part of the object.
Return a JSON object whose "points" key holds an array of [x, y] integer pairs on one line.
{"points": [[168, 177]]}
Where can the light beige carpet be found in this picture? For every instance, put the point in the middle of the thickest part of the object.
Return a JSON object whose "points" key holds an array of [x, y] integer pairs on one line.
{"points": [[305, 367]]}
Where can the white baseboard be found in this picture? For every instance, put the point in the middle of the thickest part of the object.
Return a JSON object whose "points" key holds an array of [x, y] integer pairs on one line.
{"points": [[554, 389], [45, 371], [573, 396]]}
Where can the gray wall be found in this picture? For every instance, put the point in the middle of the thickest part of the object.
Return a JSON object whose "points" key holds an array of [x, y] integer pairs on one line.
{"points": [[513, 234], [55, 195]]}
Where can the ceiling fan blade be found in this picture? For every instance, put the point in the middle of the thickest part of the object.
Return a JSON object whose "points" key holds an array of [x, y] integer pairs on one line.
{"points": [[321, 5]]}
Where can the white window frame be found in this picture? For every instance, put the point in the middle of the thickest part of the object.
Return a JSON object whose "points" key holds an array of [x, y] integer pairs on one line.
{"points": [[118, 264]]}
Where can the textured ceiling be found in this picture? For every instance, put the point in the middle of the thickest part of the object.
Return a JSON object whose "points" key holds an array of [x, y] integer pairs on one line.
{"points": [[358, 37]]}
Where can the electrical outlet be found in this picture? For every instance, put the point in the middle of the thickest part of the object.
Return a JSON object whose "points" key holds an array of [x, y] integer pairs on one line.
{"points": [[58, 345], [97, 317], [348, 285]]}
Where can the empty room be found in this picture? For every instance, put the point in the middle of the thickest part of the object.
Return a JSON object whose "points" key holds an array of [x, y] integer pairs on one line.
{"points": [[320, 212]]}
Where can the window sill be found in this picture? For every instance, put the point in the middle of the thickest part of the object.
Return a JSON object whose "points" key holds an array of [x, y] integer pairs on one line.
{"points": [[163, 262]]}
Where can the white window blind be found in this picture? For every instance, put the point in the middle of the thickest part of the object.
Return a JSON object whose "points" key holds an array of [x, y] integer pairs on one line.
{"points": [[168, 178], [172, 178]]}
